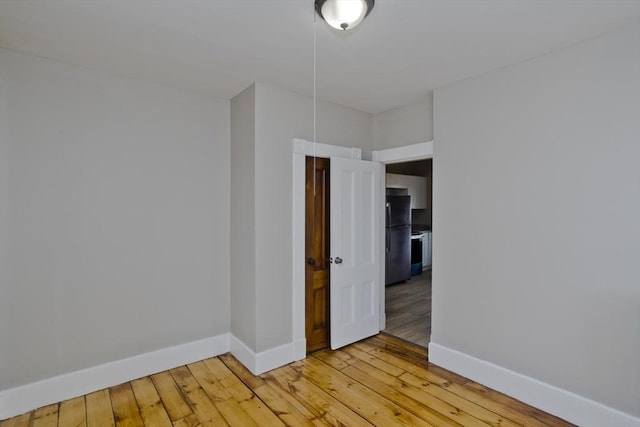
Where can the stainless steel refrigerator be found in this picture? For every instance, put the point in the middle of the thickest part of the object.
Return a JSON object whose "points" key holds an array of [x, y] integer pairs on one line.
{"points": [[398, 239]]}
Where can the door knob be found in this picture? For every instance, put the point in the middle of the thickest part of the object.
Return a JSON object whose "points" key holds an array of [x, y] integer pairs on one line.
{"points": [[338, 260], [311, 261]]}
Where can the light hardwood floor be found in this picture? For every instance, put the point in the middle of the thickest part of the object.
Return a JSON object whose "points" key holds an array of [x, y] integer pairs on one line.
{"points": [[408, 309], [381, 381]]}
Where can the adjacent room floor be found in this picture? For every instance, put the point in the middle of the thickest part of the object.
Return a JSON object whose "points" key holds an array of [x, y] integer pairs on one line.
{"points": [[408, 309]]}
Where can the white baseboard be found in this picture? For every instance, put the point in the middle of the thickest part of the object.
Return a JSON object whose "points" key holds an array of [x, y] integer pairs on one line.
{"points": [[561, 403], [18, 400], [300, 349], [243, 353], [267, 360]]}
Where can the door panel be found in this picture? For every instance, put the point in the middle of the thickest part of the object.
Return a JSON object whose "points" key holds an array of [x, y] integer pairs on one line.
{"points": [[317, 253], [356, 189]]}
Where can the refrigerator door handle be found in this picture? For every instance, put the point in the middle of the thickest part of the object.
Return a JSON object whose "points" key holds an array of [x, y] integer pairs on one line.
{"points": [[388, 205], [386, 238]]}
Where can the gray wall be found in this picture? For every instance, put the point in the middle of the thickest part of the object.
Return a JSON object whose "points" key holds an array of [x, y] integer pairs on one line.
{"points": [[4, 226], [281, 116], [536, 230], [114, 198], [243, 219], [404, 125]]}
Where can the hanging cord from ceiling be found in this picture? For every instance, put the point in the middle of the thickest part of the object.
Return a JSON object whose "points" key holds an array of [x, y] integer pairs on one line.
{"points": [[315, 55]]}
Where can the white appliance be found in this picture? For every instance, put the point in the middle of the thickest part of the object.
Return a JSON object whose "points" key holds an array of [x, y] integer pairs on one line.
{"points": [[426, 250]]}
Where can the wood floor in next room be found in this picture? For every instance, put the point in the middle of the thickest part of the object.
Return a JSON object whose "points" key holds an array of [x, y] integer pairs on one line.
{"points": [[408, 309], [381, 381]]}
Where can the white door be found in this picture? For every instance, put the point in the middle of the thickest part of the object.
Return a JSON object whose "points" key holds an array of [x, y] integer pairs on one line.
{"points": [[356, 189]]}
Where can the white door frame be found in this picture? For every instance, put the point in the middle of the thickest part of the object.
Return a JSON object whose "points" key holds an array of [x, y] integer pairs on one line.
{"points": [[406, 153], [301, 149]]}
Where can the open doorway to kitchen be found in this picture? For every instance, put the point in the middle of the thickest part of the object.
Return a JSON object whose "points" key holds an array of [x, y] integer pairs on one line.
{"points": [[414, 326], [408, 294]]}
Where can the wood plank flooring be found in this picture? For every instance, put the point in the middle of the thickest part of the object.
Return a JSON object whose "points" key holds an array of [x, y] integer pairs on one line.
{"points": [[381, 381], [408, 309]]}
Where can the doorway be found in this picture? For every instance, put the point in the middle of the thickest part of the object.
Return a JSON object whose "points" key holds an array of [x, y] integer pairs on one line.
{"points": [[390, 157], [301, 149], [342, 246], [317, 246], [408, 301]]}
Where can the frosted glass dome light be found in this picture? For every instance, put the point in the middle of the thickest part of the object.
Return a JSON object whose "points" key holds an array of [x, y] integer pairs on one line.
{"points": [[343, 14]]}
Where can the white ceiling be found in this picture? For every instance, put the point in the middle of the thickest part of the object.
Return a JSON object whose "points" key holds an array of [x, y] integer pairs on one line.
{"points": [[404, 49]]}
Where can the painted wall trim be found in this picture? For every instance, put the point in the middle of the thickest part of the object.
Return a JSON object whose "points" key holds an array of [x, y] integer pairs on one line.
{"points": [[406, 153], [299, 348], [317, 149], [264, 361], [564, 404], [18, 400], [302, 148], [243, 353]]}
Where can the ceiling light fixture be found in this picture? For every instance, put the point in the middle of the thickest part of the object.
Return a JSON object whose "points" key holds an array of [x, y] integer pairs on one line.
{"points": [[343, 14]]}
